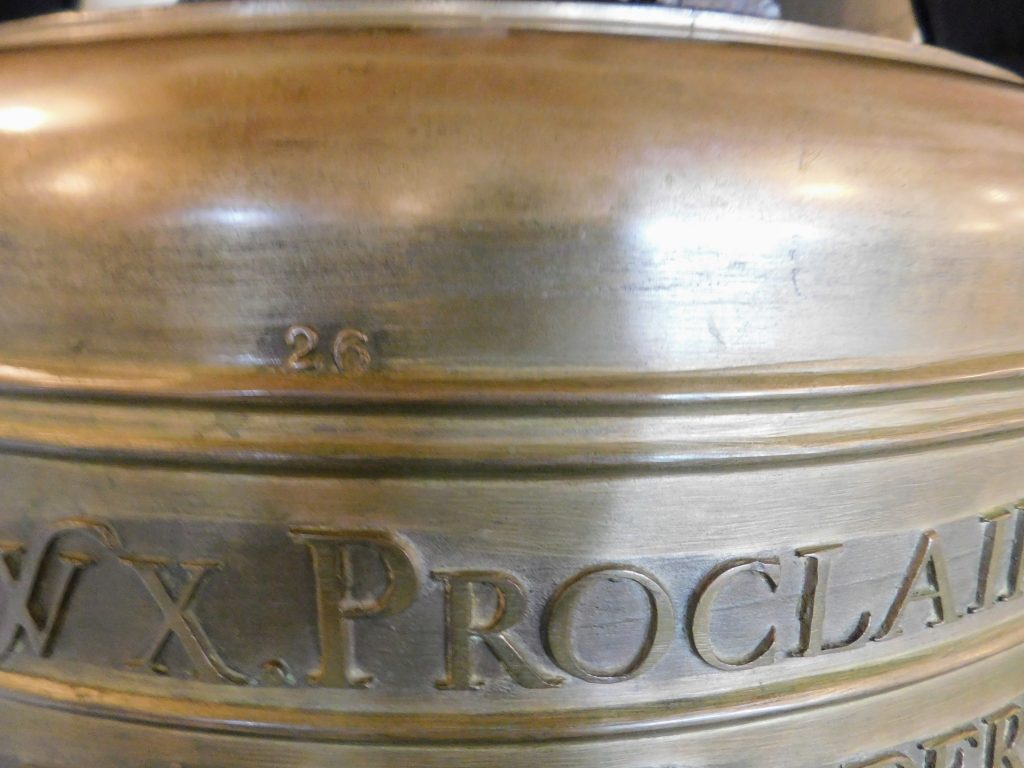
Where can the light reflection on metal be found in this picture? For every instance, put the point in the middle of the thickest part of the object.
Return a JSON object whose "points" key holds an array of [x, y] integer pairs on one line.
{"points": [[999, 196], [72, 184], [229, 216], [21, 119], [739, 235]]}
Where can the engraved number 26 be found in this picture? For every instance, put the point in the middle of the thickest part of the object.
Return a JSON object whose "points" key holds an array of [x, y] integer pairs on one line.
{"points": [[350, 351]]}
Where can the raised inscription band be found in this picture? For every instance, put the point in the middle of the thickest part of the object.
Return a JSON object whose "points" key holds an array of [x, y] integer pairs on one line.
{"points": [[499, 628], [364, 574]]}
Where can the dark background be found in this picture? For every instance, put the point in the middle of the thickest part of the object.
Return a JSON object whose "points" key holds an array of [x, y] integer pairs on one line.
{"points": [[17, 9], [986, 29]]}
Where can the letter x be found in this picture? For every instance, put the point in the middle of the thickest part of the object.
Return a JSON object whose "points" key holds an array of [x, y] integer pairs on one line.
{"points": [[179, 621]]}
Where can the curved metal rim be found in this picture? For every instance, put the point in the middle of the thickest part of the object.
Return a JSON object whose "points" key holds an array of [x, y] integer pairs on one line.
{"points": [[504, 390], [171, 421], [363, 458], [297, 15], [815, 691]]}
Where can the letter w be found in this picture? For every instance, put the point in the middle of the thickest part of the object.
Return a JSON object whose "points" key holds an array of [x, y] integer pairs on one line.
{"points": [[22, 587]]}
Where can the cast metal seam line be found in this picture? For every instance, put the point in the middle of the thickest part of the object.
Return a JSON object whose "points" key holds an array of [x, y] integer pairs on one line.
{"points": [[822, 389], [510, 395], [242, 726], [666, 23], [358, 463]]}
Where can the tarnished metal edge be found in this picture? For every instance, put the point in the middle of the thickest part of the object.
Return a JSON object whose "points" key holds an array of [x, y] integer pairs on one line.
{"points": [[683, 24], [426, 729], [424, 459], [768, 387], [693, 437]]}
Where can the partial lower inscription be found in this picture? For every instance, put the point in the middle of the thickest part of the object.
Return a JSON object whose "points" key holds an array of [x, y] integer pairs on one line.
{"points": [[993, 741]]}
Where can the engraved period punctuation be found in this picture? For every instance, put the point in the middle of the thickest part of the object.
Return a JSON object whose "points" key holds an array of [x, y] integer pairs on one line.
{"points": [[495, 624]]}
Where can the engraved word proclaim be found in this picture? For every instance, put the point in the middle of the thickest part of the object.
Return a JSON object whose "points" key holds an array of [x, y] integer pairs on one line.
{"points": [[374, 598]]}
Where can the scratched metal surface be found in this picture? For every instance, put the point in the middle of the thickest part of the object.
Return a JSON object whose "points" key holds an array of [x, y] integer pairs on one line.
{"points": [[468, 384]]}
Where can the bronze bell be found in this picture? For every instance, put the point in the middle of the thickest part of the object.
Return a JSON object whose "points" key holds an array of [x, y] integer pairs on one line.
{"points": [[450, 385]]}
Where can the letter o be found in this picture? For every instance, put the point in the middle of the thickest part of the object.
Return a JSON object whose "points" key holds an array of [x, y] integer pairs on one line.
{"points": [[562, 610]]}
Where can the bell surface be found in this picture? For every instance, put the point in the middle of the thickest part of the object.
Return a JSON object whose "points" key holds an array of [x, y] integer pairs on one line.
{"points": [[450, 385]]}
